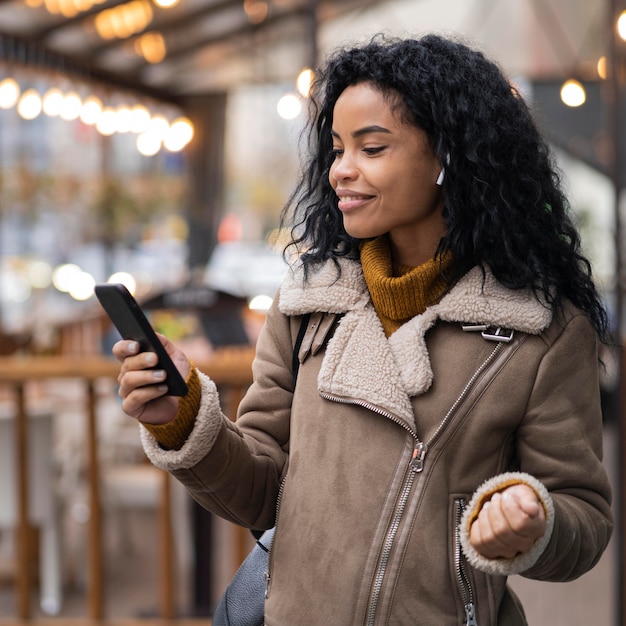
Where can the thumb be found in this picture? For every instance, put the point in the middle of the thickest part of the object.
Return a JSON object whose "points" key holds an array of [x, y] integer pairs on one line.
{"points": [[525, 498]]}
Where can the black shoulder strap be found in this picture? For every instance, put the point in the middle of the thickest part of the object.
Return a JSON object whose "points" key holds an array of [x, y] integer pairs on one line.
{"points": [[295, 361], [295, 364]]}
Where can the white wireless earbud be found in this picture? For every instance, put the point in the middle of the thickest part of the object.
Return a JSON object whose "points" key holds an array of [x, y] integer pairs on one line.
{"points": [[442, 174]]}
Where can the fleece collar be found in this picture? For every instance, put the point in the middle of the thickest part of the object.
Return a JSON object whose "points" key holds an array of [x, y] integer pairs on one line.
{"points": [[360, 362]]}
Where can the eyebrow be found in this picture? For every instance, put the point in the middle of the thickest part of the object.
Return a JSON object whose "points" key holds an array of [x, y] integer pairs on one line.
{"points": [[366, 130]]}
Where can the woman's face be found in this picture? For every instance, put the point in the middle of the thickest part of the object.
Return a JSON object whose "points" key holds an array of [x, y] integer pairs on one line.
{"points": [[384, 174]]}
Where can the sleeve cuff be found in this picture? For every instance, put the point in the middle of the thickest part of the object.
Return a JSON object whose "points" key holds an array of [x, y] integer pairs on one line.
{"points": [[173, 435], [519, 564], [206, 426]]}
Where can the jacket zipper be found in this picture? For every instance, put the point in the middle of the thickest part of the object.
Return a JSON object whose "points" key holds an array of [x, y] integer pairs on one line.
{"points": [[266, 575], [465, 586], [416, 466]]}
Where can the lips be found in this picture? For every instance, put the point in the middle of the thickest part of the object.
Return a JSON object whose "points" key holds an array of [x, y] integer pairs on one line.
{"points": [[350, 200]]}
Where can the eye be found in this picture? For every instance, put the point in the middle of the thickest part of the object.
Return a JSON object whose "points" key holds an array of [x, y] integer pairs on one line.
{"points": [[371, 151], [336, 153]]}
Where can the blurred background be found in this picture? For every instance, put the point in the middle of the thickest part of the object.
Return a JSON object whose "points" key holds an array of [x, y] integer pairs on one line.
{"points": [[154, 143]]}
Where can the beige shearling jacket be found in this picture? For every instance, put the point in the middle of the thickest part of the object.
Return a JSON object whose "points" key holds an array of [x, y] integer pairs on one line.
{"points": [[371, 466]]}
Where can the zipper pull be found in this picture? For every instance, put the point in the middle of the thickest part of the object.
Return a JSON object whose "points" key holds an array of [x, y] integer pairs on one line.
{"points": [[266, 576], [417, 461], [470, 615]]}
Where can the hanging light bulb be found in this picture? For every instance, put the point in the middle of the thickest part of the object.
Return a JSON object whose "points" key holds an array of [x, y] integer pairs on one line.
{"points": [[72, 105], [140, 118], [9, 93], [573, 93], [158, 126], [29, 105], [151, 47], [289, 106], [621, 25], [106, 122], [91, 110], [148, 143], [304, 81], [123, 119], [179, 134], [52, 102]]}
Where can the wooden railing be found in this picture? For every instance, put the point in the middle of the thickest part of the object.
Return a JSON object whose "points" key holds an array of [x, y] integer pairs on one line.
{"points": [[230, 371]]}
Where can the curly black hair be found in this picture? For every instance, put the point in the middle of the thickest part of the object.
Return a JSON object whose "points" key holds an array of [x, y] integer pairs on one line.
{"points": [[504, 204]]}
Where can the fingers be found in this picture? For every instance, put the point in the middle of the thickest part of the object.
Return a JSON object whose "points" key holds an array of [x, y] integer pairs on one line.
{"points": [[509, 524], [125, 348], [136, 372], [142, 388]]}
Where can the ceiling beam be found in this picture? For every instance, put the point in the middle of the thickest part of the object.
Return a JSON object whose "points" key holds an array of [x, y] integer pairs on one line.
{"points": [[241, 31], [28, 51]]}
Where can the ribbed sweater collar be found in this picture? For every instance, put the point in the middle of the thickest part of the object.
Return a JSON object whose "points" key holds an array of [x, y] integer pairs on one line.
{"points": [[398, 298]]}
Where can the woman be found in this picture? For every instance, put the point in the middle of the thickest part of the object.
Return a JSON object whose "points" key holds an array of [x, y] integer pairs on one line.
{"points": [[444, 430]]}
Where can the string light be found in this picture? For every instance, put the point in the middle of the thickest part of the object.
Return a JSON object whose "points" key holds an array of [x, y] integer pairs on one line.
{"points": [[305, 81], [124, 20], [289, 106], [106, 122], [148, 143], [71, 108], [122, 113], [621, 25], [151, 47], [154, 131], [126, 11], [29, 105], [573, 93], [123, 119], [52, 102], [179, 134], [158, 126], [91, 110], [9, 93], [140, 118]]}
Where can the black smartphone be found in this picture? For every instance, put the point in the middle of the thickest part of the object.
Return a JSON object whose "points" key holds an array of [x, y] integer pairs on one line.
{"points": [[131, 323]]}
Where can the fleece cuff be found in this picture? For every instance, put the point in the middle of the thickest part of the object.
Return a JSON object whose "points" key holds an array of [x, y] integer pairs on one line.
{"points": [[518, 564], [206, 427]]}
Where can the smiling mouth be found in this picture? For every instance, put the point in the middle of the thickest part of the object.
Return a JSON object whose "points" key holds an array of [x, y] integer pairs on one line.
{"points": [[348, 203]]}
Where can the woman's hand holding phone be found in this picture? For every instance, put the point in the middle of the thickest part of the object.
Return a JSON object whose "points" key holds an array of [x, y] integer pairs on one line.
{"points": [[141, 387]]}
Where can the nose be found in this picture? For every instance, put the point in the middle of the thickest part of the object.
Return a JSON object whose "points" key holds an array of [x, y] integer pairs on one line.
{"points": [[344, 168]]}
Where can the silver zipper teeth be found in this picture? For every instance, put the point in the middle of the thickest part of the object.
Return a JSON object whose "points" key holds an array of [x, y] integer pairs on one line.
{"points": [[266, 575], [417, 465], [389, 541], [371, 407], [467, 596]]}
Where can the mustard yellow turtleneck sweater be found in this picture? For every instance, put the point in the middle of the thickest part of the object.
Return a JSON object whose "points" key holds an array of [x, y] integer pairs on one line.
{"points": [[400, 292]]}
